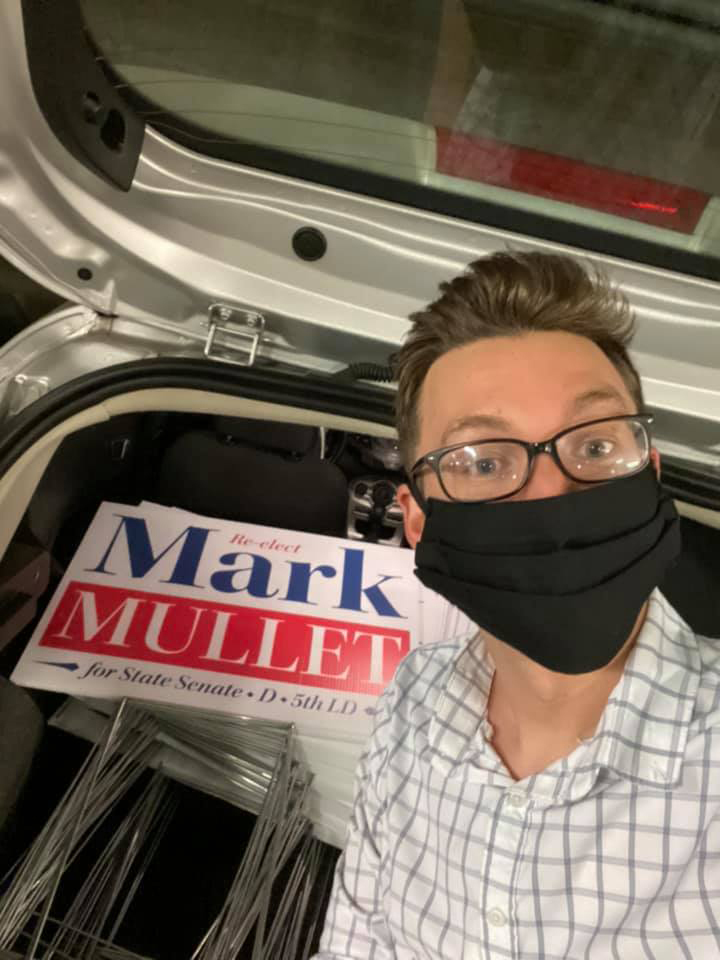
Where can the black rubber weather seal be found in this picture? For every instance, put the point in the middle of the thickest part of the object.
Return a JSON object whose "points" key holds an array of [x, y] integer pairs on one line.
{"points": [[323, 395], [358, 401], [76, 97]]}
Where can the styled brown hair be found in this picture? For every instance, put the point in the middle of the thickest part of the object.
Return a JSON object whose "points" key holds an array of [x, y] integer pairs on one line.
{"points": [[506, 294]]}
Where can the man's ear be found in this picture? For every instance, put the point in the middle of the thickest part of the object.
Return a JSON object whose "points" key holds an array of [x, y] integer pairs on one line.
{"points": [[413, 516], [655, 460]]}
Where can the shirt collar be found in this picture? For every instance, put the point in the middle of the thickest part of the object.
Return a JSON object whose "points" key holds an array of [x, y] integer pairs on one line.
{"points": [[460, 716], [643, 730]]}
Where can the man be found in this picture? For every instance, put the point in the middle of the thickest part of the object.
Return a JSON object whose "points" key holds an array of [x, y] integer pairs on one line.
{"points": [[550, 789]]}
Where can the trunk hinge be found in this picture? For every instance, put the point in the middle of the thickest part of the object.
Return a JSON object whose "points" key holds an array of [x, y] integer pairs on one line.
{"points": [[232, 330]]}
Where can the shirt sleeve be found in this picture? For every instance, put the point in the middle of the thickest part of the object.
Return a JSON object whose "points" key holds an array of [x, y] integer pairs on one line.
{"points": [[355, 924]]}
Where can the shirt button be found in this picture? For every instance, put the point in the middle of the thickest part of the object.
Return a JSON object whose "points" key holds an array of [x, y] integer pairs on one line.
{"points": [[496, 917], [516, 799]]}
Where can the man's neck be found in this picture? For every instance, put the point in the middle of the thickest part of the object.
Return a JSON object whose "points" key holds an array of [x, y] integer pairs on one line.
{"points": [[539, 716]]}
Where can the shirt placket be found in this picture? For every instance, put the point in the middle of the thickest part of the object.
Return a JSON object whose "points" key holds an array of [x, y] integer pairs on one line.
{"points": [[507, 834]]}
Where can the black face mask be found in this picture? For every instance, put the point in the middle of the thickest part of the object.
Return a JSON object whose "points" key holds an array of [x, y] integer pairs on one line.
{"points": [[561, 579]]}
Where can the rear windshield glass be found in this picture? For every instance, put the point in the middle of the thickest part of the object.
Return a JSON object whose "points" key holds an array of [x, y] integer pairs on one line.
{"points": [[590, 112]]}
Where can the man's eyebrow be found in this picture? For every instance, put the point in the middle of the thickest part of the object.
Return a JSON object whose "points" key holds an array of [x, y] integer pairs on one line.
{"points": [[597, 395], [481, 421], [485, 421]]}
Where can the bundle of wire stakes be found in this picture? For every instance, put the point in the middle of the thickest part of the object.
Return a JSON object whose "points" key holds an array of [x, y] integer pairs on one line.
{"points": [[127, 787]]}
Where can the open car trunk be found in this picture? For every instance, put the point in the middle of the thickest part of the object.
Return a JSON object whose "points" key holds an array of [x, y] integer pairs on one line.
{"points": [[243, 458], [297, 461]]}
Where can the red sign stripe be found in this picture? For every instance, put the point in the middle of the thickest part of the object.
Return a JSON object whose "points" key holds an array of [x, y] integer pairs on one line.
{"points": [[230, 639], [541, 174]]}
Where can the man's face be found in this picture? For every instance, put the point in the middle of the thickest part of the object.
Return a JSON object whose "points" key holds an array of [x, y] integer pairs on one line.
{"points": [[526, 387]]}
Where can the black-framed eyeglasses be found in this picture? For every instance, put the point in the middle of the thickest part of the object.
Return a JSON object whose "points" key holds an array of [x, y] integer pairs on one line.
{"points": [[484, 470]]}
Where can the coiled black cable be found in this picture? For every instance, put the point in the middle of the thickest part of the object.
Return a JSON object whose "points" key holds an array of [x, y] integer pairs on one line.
{"points": [[379, 372]]}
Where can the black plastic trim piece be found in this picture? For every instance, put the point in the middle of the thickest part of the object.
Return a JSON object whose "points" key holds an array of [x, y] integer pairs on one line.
{"points": [[308, 393], [77, 98]]}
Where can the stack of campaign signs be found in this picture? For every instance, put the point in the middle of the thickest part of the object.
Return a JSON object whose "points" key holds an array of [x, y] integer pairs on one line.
{"points": [[234, 619]]}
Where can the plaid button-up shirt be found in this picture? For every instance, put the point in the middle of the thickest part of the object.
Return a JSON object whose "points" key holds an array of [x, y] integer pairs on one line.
{"points": [[611, 852]]}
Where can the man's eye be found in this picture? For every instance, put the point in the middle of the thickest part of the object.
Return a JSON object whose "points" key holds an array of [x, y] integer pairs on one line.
{"points": [[596, 449], [485, 467]]}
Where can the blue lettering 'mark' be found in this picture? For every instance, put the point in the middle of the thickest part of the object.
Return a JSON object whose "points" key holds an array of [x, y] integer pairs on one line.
{"points": [[353, 589], [143, 559]]}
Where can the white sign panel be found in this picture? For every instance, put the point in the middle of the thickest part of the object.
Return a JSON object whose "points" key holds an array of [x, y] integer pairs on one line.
{"points": [[160, 604]]}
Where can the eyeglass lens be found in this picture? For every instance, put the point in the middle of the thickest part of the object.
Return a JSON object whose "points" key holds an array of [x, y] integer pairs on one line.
{"points": [[591, 453]]}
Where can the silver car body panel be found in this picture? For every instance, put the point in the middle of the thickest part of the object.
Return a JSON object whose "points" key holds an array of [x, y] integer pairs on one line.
{"points": [[194, 231]]}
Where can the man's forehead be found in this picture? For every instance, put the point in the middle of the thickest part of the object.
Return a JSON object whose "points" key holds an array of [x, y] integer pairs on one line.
{"points": [[523, 383]]}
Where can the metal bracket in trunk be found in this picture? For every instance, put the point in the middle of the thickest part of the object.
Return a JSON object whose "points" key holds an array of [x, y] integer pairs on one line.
{"points": [[240, 330]]}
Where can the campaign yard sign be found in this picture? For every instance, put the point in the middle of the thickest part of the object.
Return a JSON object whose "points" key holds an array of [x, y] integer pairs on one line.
{"points": [[161, 604]]}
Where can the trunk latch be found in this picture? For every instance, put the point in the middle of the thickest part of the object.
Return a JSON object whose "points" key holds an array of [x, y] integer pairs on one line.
{"points": [[233, 330]]}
